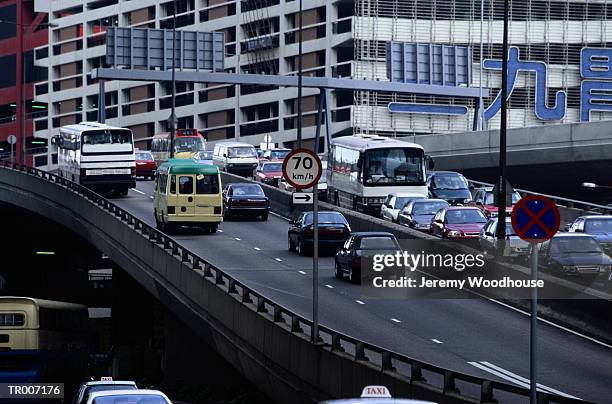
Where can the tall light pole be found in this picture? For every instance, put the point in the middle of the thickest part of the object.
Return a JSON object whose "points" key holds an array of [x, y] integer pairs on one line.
{"points": [[501, 198], [173, 111], [299, 100]]}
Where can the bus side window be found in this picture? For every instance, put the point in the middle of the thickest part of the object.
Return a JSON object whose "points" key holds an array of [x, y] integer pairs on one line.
{"points": [[173, 184]]}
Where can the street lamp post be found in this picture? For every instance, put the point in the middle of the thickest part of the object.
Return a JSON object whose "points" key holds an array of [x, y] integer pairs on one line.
{"points": [[173, 112], [300, 72], [501, 198]]}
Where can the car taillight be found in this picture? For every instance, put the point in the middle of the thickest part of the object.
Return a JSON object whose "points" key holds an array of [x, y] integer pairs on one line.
{"points": [[133, 171]]}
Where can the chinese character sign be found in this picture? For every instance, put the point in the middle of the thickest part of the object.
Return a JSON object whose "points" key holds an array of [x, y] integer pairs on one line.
{"points": [[596, 88], [516, 65]]}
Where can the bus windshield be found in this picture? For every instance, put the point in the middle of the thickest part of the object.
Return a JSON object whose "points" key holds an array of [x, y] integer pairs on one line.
{"points": [[394, 166], [242, 152], [118, 139], [188, 144]]}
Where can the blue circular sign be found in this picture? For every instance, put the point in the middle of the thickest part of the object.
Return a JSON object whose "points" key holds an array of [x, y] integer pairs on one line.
{"points": [[535, 218]]}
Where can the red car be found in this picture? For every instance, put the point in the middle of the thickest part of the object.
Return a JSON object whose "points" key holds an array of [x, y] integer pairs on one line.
{"points": [[484, 200], [269, 172], [145, 164], [458, 222]]}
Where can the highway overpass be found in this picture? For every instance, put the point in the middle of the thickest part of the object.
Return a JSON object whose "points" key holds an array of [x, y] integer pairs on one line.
{"points": [[249, 298], [553, 159]]}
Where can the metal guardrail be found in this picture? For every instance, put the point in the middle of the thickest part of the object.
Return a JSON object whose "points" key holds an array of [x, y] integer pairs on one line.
{"points": [[360, 351], [560, 201]]}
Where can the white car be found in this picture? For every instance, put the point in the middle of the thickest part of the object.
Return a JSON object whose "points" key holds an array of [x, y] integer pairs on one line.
{"points": [[129, 397], [375, 395], [516, 247], [390, 209], [107, 384]]}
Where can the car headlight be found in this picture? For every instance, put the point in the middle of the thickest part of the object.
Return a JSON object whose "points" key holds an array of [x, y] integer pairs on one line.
{"points": [[605, 268], [453, 233], [467, 200], [569, 268]]}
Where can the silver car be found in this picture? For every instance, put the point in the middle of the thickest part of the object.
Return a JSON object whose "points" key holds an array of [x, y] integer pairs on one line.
{"points": [[515, 247]]}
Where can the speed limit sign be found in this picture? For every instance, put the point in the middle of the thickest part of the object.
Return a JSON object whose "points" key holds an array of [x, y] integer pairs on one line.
{"points": [[302, 168]]}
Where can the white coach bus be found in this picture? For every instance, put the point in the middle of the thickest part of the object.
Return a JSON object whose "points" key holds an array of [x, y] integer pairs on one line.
{"points": [[364, 169], [98, 156]]}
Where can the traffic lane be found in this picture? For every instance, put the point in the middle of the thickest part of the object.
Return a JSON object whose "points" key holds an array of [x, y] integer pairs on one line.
{"points": [[472, 342]]}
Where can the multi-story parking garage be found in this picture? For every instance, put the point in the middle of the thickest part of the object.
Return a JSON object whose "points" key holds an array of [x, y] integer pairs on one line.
{"points": [[345, 38]]}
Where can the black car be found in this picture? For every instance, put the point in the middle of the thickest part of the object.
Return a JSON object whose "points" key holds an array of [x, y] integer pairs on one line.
{"points": [[333, 231], [359, 245], [450, 186], [571, 254], [245, 199], [418, 213]]}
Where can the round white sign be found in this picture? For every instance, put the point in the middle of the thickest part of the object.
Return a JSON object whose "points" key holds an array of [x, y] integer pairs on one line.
{"points": [[302, 168], [12, 139]]}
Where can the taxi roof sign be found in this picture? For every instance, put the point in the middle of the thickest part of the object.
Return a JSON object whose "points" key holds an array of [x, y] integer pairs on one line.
{"points": [[106, 379], [375, 392]]}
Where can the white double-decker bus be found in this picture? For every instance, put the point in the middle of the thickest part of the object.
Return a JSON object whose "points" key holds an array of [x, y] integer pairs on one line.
{"points": [[98, 156], [364, 169]]}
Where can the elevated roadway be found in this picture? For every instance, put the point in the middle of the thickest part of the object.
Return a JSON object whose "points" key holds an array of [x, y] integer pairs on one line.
{"points": [[475, 336]]}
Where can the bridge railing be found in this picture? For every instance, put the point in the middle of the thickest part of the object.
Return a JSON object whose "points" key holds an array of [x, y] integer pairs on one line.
{"points": [[404, 368], [568, 203]]}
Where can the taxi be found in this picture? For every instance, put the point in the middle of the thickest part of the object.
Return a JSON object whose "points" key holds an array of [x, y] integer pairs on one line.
{"points": [[188, 194], [375, 395]]}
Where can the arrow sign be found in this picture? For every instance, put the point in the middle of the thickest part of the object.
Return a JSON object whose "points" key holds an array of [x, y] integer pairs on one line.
{"points": [[302, 198]]}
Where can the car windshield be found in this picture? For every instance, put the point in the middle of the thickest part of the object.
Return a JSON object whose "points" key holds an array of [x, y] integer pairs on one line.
{"points": [[427, 208], [204, 155], [575, 245], [279, 154], [247, 189], [598, 226], [188, 144], [109, 387], [509, 229], [401, 201], [130, 399], [489, 198], [394, 166], [378, 243], [244, 151], [464, 216], [112, 136], [327, 218], [272, 168], [449, 181], [144, 156]]}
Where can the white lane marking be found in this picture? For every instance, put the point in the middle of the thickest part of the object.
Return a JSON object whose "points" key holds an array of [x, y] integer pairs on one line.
{"points": [[395, 320], [257, 249], [152, 197], [302, 272], [437, 341], [551, 323], [139, 191], [359, 301], [278, 259], [220, 231], [237, 239], [329, 286], [281, 216], [516, 379], [560, 327]]}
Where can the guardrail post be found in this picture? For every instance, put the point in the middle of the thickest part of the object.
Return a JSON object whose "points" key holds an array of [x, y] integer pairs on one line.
{"points": [[166, 243], [207, 270], [231, 286], [195, 262], [416, 372], [152, 235], [261, 306], [218, 277], [387, 363], [295, 324], [246, 295], [278, 315], [174, 248], [486, 392], [360, 352], [336, 345], [184, 255], [449, 382]]}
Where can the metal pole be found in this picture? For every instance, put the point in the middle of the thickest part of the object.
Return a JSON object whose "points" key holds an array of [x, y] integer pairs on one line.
{"points": [[173, 113], [533, 394], [480, 100], [501, 200], [299, 100], [23, 105], [315, 265], [12, 159]]}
